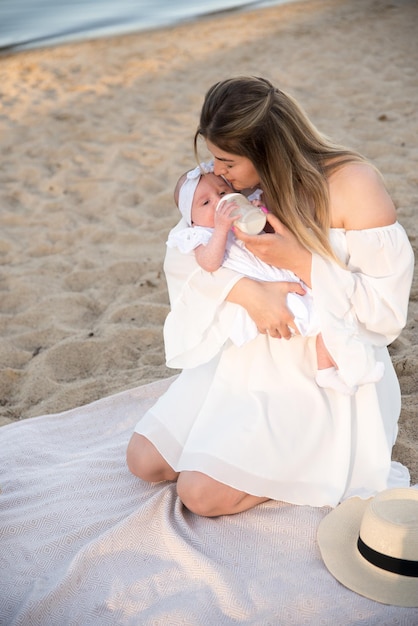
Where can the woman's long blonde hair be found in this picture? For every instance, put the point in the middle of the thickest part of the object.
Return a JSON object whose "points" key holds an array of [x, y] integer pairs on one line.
{"points": [[248, 116]]}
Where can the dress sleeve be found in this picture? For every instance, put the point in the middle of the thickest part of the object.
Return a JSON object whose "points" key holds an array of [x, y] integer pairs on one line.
{"points": [[200, 320], [367, 301]]}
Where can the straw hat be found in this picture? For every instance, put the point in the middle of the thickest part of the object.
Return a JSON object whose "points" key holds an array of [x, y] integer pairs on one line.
{"points": [[371, 546]]}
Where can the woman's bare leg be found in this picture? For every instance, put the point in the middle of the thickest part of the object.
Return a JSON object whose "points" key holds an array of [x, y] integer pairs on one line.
{"points": [[199, 493], [146, 462], [207, 497]]}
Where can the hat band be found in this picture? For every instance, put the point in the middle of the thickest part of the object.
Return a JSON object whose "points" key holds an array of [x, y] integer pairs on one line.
{"points": [[388, 563]]}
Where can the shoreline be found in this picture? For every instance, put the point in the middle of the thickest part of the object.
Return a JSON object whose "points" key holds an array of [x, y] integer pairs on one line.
{"points": [[110, 25]]}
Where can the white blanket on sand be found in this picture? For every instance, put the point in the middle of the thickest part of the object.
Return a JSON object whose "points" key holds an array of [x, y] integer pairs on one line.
{"points": [[84, 542]]}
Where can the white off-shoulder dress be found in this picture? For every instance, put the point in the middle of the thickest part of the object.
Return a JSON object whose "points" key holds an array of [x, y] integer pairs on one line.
{"points": [[253, 416]]}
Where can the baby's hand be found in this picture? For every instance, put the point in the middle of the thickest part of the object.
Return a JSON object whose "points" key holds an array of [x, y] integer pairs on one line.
{"points": [[223, 217]]}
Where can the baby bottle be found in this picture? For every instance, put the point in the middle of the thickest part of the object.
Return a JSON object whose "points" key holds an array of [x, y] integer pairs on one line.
{"points": [[252, 220]]}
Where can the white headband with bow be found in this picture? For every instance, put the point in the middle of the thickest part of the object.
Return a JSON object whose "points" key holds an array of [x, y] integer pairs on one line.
{"points": [[188, 188]]}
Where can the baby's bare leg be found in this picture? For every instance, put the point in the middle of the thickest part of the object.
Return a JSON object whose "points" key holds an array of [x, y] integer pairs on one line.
{"points": [[323, 357], [327, 374], [146, 462]]}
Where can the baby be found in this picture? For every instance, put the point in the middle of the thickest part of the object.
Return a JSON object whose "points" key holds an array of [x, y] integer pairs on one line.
{"points": [[209, 235]]}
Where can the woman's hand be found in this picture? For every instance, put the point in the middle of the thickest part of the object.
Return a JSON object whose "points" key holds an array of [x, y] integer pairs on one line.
{"points": [[266, 304], [280, 249]]}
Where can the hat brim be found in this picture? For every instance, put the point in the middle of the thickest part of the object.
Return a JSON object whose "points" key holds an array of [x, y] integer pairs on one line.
{"points": [[337, 539]]}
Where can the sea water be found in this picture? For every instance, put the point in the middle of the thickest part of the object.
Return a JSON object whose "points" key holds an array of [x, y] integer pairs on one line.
{"points": [[33, 23]]}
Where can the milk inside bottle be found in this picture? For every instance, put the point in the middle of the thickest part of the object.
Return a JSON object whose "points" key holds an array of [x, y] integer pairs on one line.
{"points": [[252, 219]]}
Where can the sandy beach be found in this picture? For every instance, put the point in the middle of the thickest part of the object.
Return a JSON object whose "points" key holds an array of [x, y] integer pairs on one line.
{"points": [[94, 136]]}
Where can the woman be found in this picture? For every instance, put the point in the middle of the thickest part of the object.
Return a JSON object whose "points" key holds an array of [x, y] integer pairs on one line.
{"points": [[240, 426]]}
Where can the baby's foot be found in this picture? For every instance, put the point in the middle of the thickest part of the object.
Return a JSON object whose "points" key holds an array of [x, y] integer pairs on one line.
{"points": [[329, 379], [374, 375]]}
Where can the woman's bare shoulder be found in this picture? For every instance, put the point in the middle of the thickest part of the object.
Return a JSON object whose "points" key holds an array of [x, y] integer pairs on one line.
{"points": [[359, 198]]}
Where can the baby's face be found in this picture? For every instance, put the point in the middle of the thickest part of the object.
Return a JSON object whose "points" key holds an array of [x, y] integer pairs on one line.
{"points": [[208, 192]]}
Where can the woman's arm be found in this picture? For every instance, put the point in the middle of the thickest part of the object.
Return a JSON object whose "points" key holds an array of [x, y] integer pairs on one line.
{"points": [[367, 301], [280, 249], [266, 304], [204, 307], [376, 284], [369, 297], [358, 200]]}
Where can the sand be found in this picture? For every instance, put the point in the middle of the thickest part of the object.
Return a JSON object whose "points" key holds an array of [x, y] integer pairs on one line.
{"points": [[94, 136]]}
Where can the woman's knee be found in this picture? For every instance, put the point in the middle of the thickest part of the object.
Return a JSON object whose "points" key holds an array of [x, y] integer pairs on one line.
{"points": [[137, 454], [144, 460], [199, 493]]}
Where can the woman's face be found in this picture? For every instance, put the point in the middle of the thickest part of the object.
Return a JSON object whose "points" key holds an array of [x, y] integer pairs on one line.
{"points": [[237, 170]]}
